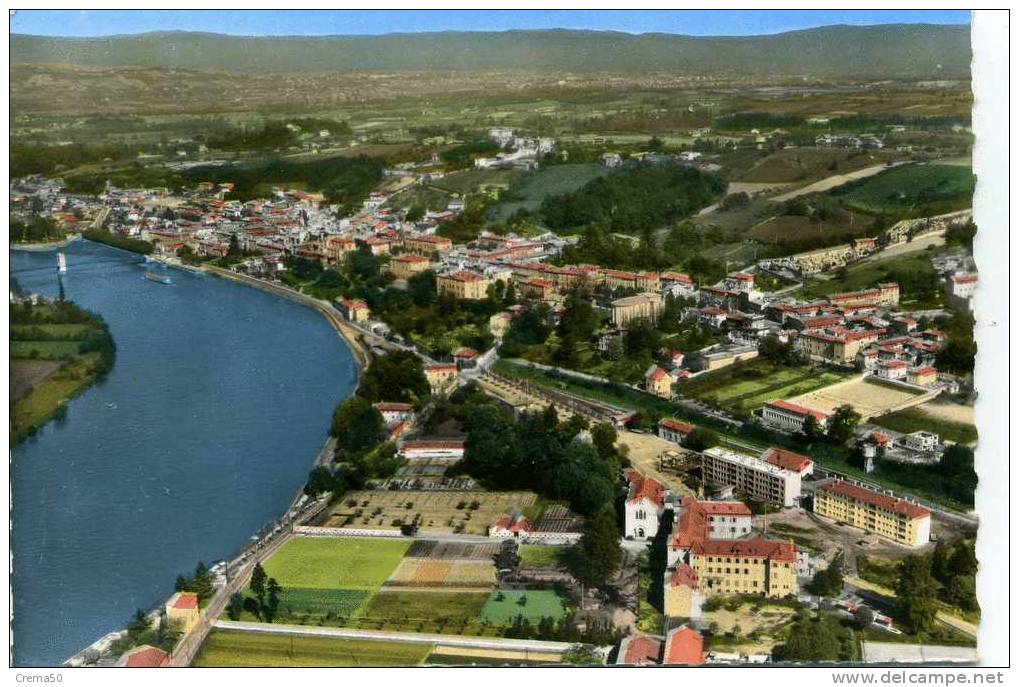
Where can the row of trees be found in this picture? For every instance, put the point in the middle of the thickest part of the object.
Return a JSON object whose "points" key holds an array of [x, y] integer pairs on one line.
{"points": [[947, 574], [265, 602]]}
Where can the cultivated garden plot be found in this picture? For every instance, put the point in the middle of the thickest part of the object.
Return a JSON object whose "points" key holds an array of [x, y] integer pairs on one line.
{"points": [[426, 573], [243, 649], [446, 512]]}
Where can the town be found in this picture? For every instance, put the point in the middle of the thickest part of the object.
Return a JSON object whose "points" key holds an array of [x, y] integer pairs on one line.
{"points": [[697, 395]]}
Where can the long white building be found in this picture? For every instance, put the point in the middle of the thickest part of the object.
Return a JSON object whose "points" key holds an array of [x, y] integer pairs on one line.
{"points": [[751, 476]]}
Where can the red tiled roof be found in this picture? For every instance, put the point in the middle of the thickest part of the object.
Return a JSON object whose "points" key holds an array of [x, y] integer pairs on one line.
{"points": [[186, 601], [146, 656], [440, 367], [676, 426], [466, 353], [433, 445], [884, 501], [410, 258], [684, 576], [684, 646], [748, 548], [517, 524], [924, 371], [695, 520], [798, 409], [642, 650], [465, 276], [880, 438], [642, 487], [787, 460], [658, 374]]}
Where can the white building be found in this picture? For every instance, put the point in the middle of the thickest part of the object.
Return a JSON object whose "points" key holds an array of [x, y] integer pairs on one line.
{"points": [[395, 412], [751, 476], [646, 500], [450, 451], [923, 442], [790, 416]]}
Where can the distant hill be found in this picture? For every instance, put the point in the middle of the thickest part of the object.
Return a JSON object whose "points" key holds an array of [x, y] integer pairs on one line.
{"points": [[894, 51]]}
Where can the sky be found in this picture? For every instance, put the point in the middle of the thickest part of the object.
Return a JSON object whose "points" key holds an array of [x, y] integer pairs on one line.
{"points": [[345, 22]]}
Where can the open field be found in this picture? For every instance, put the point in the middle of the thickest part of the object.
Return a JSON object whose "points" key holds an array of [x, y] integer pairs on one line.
{"points": [[912, 191], [245, 649], [331, 563], [532, 604], [746, 386], [915, 419], [765, 620], [539, 556], [47, 350], [869, 397], [27, 374], [472, 180], [802, 165], [467, 512]]}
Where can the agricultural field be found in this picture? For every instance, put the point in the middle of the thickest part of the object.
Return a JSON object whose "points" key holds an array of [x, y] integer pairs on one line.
{"points": [[744, 387], [474, 181], [528, 192], [796, 229], [916, 420], [427, 573], [868, 396], [911, 191], [447, 512], [434, 612], [225, 648], [804, 165], [504, 606]]}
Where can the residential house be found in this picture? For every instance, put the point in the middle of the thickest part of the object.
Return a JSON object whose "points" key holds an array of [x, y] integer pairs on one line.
{"points": [[182, 610], [463, 285], [658, 382]]}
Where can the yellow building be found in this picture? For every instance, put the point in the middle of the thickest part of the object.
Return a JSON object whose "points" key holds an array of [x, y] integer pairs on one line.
{"points": [[182, 610], [642, 306], [745, 566], [836, 348], [903, 522], [682, 596], [355, 310], [441, 376], [406, 266], [336, 249], [658, 382], [463, 285], [426, 245]]}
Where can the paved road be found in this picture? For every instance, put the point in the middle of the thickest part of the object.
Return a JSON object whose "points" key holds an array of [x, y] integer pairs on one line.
{"points": [[492, 643]]}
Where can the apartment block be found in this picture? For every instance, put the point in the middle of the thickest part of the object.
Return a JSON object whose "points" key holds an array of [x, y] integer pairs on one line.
{"points": [[901, 521]]}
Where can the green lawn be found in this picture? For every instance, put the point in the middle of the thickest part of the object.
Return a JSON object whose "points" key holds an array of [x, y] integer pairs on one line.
{"points": [[51, 331], [240, 649], [914, 273], [539, 556], [537, 604], [746, 386], [911, 191], [328, 563], [915, 420]]}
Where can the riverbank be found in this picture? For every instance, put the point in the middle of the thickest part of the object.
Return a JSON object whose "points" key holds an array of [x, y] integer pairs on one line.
{"points": [[41, 247], [133, 245], [349, 334]]}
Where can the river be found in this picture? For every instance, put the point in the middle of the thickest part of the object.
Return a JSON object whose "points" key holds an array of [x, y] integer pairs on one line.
{"points": [[219, 401]]}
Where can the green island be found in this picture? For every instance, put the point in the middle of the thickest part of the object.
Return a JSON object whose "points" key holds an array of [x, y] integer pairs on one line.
{"points": [[57, 350]]}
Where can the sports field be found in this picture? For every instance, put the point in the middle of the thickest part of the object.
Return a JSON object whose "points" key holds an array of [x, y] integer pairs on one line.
{"points": [[869, 397], [744, 387], [534, 604], [226, 648]]}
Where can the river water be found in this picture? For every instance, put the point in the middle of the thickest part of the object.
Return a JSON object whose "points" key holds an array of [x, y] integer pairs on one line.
{"points": [[219, 400]]}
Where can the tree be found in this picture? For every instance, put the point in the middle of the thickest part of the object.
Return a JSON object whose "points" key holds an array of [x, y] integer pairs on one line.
{"points": [[507, 558], [273, 602], [202, 584], [357, 425], [863, 617], [598, 555], [235, 246], [397, 376], [957, 470], [842, 424], [257, 584], [416, 212], [827, 582], [701, 439], [810, 639], [811, 431], [139, 623], [916, 591], [236, 606], [604, 437]]}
